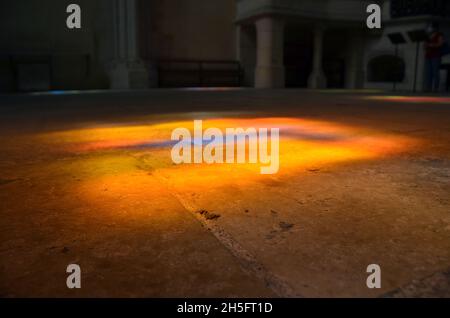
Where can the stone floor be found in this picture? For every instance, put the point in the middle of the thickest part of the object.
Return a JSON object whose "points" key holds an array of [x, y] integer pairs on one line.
{"points": [[87, 178]]}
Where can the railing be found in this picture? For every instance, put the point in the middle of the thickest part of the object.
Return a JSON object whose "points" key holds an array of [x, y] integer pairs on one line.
{"points": [[409, 8], [44, 70], [198, 73]]}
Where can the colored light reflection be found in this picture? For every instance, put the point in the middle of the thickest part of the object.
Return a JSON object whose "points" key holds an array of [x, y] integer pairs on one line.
{"points": [[65, 92], [211, 89], [412, 99], [121, 152]]}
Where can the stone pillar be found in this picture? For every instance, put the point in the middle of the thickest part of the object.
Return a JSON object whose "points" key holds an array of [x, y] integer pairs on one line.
{"points": [[128, 71], [317, 78], [355, 60], [269, 71]]}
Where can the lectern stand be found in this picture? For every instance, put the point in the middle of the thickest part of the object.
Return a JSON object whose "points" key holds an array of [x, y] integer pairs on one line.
{"points": [[417, 36]]}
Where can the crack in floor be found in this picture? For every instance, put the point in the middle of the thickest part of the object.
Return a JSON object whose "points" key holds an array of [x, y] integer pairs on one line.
{"points": [[435, 285], [248, 262]]}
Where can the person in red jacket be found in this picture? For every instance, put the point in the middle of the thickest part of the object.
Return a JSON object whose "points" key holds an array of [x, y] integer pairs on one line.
{"points": [[433, 57]]}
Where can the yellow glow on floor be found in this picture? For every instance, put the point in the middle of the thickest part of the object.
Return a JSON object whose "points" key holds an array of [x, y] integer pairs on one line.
{"points": [[412, 99], [117, 152]]}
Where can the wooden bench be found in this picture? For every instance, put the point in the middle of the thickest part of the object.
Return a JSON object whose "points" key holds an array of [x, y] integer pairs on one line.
{"points": [[199, 73]]}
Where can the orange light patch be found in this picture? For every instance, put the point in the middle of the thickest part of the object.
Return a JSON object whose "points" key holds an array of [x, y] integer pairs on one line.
{"points": [[412, 99], [304, 144]]}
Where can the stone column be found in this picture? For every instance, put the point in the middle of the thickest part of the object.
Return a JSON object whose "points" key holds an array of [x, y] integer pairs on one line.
{"points": [[128, 71], [269, 71], [355, 67], [317, 78]]}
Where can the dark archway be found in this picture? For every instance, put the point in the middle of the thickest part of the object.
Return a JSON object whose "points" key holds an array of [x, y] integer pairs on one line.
{"points": [[298, 52], [386, 68]]}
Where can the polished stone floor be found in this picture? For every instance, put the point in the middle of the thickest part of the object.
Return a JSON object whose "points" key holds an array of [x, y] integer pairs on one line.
{"points": [[87, 178]]}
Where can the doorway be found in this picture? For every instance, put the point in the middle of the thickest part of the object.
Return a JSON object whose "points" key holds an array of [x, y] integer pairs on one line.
{"points": [[298, 54]]}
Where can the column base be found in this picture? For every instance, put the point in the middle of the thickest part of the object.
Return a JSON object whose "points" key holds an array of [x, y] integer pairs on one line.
{"points": [[132, 75], [269, 77], [317, 81], [355, 80]]}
